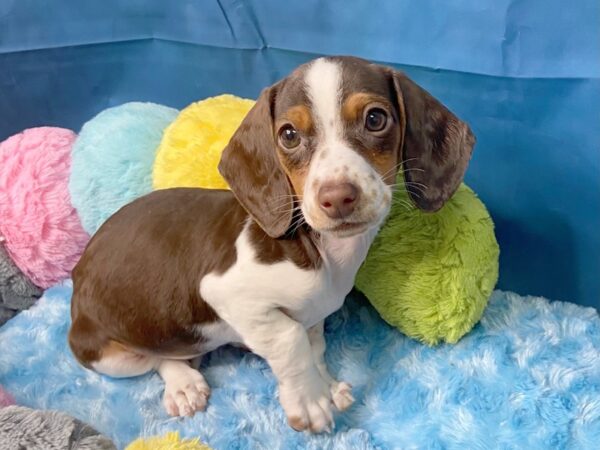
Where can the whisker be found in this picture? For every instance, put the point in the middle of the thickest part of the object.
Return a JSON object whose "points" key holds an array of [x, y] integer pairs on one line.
{"points": [[403, 171], [419, 194], [405, 203], [284, 202], [282, 209], [288, 196], [298, 224], [392, 169], [395, 167], [401, 200], [285, 211], [414, 184], [419, 186]]}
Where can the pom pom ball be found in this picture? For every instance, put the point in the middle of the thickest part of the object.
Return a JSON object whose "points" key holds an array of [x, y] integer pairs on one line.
{"points": [[191, 146], [170, 441], [17, 292], [5, 398], [41, 230], [113, 158], [431, 275]]}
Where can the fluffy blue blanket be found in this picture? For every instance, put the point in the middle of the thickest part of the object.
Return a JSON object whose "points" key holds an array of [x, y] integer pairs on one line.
{"points": [[528, 376]]}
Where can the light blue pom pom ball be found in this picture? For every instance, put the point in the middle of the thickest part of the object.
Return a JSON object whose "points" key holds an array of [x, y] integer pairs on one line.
{"points": [[112, 159]]}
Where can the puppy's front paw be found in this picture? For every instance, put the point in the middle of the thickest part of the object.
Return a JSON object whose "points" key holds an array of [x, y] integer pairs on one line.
{"points": [[341, 393], [307, 405], [186, 393]]}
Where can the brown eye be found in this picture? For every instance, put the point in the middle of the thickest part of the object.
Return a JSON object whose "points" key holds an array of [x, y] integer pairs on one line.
{"points": [[376, 119], [289, 137]]}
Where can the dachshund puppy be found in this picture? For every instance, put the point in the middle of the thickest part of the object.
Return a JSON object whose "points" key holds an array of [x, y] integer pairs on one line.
{"points": [[180, 272]]}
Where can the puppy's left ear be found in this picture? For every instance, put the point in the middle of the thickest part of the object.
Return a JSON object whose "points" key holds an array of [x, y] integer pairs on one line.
{"points": [[436, 146], [252, 169]]}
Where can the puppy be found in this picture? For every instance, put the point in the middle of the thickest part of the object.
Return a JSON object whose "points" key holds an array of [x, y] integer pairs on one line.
{"points": [[180, 272]]}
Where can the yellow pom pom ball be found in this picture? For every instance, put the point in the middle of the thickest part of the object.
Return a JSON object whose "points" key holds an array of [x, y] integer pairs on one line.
{"points": [[169, 441], [191, 147]]}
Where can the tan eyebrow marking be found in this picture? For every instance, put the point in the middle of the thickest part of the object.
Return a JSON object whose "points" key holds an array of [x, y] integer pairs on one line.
{"points": [[355, 103], [300, 116]]}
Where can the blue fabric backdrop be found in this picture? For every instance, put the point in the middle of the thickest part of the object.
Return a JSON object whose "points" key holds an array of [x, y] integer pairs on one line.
{"points": [[524, 73]]}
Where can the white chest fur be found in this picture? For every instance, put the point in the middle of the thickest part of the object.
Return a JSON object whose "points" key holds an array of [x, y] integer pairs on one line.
{"points": [[341, 260], [250, 288]]}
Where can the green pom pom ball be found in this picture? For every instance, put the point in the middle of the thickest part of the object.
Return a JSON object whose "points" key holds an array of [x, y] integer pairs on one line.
{"points": [[431, 274]]}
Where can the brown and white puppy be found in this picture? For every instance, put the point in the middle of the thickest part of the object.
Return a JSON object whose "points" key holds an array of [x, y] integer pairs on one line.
{"points": [[180, 272]]}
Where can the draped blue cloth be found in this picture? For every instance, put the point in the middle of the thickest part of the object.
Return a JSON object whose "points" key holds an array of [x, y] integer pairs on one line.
{"points": [[524, 73]]}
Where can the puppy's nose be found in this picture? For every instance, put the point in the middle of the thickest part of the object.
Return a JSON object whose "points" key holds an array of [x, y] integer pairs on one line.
{"points": [[338, 200]]}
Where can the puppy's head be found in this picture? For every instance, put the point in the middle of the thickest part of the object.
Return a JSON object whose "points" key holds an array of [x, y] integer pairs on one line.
{"points": [[328, 140]]}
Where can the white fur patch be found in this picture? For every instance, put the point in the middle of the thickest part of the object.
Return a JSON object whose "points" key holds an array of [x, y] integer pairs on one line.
{"points": [[270, 306], [250, 287], [324, 82], [214, 335]]}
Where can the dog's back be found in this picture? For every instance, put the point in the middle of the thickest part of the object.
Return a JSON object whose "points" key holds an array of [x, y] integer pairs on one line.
{"points": [[141, 264]]}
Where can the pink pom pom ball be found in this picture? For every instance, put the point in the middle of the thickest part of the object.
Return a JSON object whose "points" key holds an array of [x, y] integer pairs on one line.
{"points": [[39, 226], [5, 398]]}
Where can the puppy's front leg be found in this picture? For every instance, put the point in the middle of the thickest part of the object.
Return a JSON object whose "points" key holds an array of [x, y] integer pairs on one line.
{"points": [[341, 392], [283, 342]]}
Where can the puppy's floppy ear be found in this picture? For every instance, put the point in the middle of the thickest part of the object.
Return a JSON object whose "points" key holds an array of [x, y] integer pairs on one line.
{"points": [[252, 169], [436, 148]]}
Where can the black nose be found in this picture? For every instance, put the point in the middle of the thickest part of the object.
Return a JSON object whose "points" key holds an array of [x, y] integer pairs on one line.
{"points": [[338, 200]]}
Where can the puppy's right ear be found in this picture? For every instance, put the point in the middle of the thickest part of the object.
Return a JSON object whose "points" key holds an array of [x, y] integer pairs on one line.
{"points": [[252, 169]]}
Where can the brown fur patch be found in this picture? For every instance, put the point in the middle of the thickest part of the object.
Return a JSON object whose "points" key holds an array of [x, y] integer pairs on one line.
{"points": [[137, 281], [86, 339], [354, 105], [436, 143], [301, 250]]}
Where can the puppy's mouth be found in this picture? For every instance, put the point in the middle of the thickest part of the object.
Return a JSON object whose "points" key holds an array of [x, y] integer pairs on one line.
{"points": [[347, 229], [347, 226]]}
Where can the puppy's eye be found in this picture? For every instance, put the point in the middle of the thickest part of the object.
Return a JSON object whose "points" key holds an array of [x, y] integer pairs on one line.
{"points": [[376, 119], [289, 137]]}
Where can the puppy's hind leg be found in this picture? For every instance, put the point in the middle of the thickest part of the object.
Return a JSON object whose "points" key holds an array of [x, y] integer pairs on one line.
{"points": [[119, 362], [186, 391], [95, 351]]}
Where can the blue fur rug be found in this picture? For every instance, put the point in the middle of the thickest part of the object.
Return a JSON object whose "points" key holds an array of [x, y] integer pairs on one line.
{"points": [[528, 376]]}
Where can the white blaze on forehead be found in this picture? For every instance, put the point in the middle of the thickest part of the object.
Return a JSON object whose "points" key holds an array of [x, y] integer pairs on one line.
{"points": [[335, 160], [324, 85]]}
